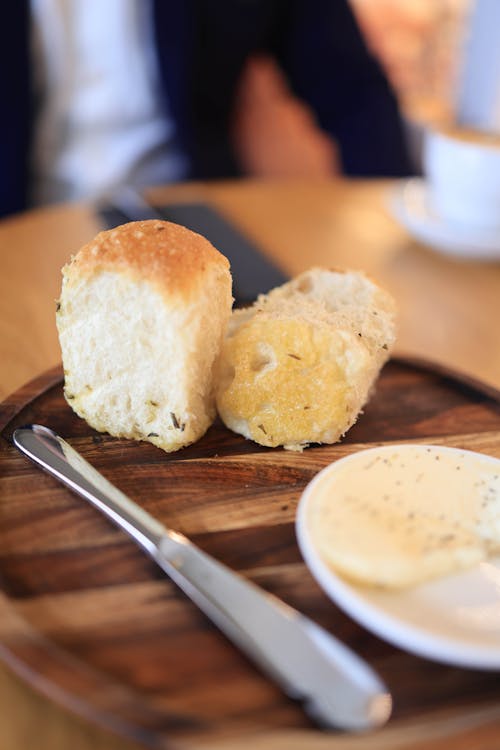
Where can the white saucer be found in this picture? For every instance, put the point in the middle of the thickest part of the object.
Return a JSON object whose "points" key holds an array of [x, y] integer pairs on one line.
{"points": [[454, 619], [409, 204]]}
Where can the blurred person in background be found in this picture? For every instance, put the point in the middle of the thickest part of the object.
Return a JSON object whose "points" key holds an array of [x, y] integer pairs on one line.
{"points": [[98, 95]]}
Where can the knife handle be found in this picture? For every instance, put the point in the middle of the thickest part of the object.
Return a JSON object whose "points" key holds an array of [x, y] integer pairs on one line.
{"points": [[337, 687]]}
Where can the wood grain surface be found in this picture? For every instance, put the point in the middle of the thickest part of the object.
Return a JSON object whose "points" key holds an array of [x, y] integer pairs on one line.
{"points": [[91, 622]]}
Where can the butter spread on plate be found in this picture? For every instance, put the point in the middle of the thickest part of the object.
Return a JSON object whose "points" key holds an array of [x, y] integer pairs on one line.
{"points": [[399, 515]]}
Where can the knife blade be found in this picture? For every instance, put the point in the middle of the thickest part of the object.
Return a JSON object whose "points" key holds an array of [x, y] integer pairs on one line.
{"points": [[338, 688]]}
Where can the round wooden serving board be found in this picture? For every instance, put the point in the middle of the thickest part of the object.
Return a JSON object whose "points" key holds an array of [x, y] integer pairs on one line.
{"points": [[90, 621]]}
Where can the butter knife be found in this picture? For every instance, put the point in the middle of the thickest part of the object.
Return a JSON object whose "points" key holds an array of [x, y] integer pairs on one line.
{"points": [[338, 689]]}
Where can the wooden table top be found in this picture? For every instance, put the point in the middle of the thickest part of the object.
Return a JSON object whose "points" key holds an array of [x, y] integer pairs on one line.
{"points": [[448, 313]]}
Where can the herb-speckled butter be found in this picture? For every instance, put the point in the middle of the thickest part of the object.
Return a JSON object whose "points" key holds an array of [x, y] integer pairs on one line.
{"points": [[398, 515]]}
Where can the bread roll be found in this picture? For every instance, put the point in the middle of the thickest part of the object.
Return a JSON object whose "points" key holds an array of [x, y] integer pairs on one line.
{"points": [[298, 366], [141, 318]]}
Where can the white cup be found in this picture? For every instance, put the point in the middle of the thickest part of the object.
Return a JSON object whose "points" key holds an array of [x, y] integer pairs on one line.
{"points": [[462, 170]]}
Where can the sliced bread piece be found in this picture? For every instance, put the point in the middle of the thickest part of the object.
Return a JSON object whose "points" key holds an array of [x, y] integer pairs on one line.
{"points": [[298, 366], [141, 318]]}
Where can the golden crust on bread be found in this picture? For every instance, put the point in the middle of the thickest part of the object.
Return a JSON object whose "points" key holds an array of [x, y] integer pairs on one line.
{"points": [[167, 255]]}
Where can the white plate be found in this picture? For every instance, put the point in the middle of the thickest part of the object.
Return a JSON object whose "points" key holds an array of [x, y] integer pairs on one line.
{"points": [[409, 204], [454, 619]]}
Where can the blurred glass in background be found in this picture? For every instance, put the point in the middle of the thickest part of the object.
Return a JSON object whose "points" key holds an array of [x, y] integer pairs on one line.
{"points": [[441, 56], [420, 44]]}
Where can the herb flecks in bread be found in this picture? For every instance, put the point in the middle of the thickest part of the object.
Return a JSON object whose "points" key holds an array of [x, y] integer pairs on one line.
{"points": [[141, 318], [299, 365]]}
